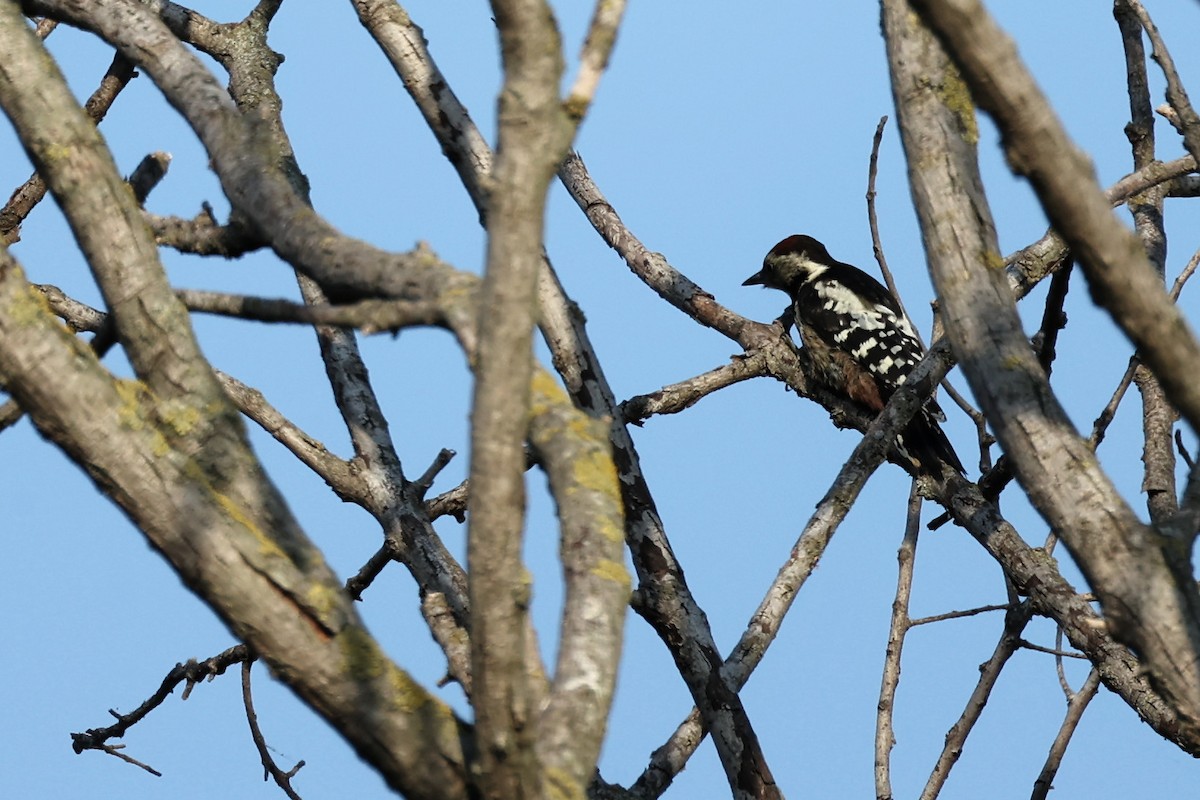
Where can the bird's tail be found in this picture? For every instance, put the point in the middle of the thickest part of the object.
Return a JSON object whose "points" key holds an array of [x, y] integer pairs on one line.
{"points": [[925, 445]]}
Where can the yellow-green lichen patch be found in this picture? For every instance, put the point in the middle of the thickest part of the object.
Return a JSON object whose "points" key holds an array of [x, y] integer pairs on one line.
{"points": [[57, 151], [133, 395], [363, 659], [956, 97], [28, 307], [546, 397], [561, 785], [613, 571], [180, 416], [410, 696], [594, 471], [365, 662], [267, 546], [457, 290], [576, 107], [324, 601], [546, 392], [1013, 362]]}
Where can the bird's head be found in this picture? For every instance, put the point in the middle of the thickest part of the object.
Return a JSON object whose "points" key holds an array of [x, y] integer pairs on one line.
{"points": [[792, 263]]}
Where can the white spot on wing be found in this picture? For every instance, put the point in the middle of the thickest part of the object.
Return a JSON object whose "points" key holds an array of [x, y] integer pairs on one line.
{"points": [[861, 351]]}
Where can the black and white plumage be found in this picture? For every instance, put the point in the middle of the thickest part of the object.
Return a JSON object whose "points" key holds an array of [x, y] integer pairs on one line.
{"points": [[861, 344]]}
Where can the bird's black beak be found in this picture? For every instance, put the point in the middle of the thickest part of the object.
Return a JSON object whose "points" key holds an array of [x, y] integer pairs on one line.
{"points": [[757, 279]]}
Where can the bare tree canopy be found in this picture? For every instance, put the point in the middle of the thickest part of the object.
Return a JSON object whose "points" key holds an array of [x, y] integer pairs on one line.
{"points": [[397, 359]]}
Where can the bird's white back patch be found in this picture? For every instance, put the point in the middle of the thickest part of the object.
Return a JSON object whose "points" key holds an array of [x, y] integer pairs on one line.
{"points": [[867, 316]]}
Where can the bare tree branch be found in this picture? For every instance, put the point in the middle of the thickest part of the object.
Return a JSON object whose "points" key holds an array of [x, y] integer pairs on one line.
{"points": [[764, 624], [885, 734], [30, 193], [937, 126], [989, 672], [1116, 267], [270, 769], [597, 48], [233, 541], [1189, 121], [539, 730], [1133, 571], [578, 461], [1158, 418], [532, 135], [1029, 265], [685, 394], [190, 673], [1076, 705], [667, 603]]}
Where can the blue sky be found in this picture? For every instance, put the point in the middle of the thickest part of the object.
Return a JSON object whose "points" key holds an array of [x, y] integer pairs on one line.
{"points": [[715, 133]]}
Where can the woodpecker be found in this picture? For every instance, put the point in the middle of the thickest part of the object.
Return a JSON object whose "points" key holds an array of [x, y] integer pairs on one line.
{"points": [[861, 345]]}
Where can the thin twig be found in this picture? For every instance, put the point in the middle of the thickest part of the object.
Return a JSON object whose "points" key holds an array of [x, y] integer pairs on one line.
{"points": [[190, 673], [30, 193], [1183, 451], [148, 174], [873, 218], [885, 735], [1014, 623], [358, 583], [270, 768], [336, 471], [982, 435], [115, 750], [1186, 273], [1176, 95], [422, 484], [370, 316], [970, 612], [1076, 705], [1100, 426], [1060, 665], [1054, 651], [1054, 319], [597, 48]]}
